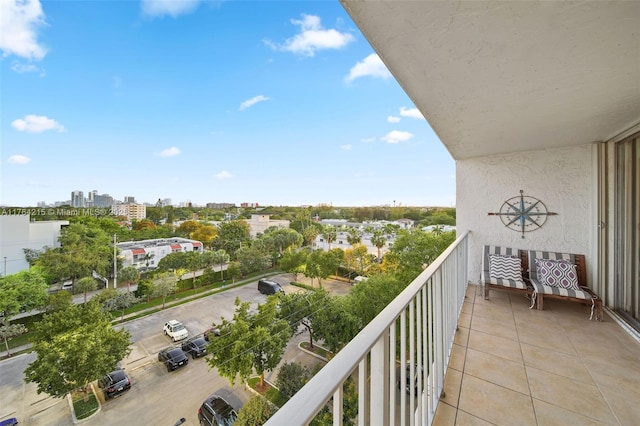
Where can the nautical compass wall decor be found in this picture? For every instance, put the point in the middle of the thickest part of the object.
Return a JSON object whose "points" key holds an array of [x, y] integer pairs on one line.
{"points": [[523, 213]]}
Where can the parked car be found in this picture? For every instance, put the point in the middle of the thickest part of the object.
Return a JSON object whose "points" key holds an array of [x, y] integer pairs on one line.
{"points": [[214, 331], [114, 383], [269, 287], [173, 358], [175, 330], [215, 410], [409, 381], [196, 346]]}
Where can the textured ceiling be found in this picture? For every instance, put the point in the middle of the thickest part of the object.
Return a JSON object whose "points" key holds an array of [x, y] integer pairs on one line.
{"points": [[495, 77]]}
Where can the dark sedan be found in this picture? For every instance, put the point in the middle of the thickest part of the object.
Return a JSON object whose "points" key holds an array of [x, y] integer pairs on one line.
{"points": [[216, 411], [173, 358], [196, 346], [114, 383]]}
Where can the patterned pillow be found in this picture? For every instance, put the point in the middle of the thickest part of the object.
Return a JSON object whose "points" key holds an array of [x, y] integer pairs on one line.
{"points": [[505, 267], [557, 273]]}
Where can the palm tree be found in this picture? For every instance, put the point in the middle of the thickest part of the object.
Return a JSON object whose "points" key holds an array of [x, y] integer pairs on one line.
{"points": [[85, 285], [378, 239], [329, 233]]}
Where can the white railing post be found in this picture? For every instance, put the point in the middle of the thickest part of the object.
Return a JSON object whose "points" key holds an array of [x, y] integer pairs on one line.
{"points": [[378, 392]]}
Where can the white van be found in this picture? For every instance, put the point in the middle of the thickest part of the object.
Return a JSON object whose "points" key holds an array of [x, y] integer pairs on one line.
{"points": [[359, 279]]}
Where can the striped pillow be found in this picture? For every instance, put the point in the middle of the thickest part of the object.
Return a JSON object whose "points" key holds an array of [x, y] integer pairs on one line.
{"points": [[557, 273], [505, 267]]}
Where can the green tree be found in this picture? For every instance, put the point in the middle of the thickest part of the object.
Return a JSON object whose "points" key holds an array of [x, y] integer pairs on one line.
{"points": [[74, 347], [329, 233], [145, 289], [250, 341], [219, 257], [379, 239], [255, 412], [320, 264], [232, 235], [234, 270], [194, 263], [9, 331], [129, 275], [84, 248], [335, 324], [309, 234], [59, 300], [354, 236], [414, 250], [174, 261], [301, 309], [25, 290], [292, 376], [252, 260], [85, 285], [358, 258], [121, 301], [367, 299], [284, 238], [293, 261], [164, 285]]}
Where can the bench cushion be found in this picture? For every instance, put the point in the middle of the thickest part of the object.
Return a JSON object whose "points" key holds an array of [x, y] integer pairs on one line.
{"points": [[557, 273], [541, 288]]}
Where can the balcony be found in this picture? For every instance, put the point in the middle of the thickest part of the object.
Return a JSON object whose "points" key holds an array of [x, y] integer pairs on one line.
{"points": [[478, 361]]}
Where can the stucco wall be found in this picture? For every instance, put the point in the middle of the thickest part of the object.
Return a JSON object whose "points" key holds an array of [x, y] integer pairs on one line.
{"points": [[560, 178]]}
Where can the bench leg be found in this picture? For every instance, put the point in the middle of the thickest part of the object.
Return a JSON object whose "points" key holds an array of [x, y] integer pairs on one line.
{"points": [[599, 313], [540, 301], [486, 291]]}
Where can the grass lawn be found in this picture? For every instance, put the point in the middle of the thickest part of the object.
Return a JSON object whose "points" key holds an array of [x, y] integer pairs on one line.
{"points": [[82, 408]]}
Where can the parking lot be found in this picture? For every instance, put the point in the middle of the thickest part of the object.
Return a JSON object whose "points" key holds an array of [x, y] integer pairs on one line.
{"points": [[157, 396]]}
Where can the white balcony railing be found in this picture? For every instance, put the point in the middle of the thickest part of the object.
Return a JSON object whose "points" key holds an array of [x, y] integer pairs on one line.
{"points": [[411, 337]]}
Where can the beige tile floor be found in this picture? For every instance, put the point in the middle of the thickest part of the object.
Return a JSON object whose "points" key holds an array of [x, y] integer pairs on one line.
{"points": [[512, 365]]}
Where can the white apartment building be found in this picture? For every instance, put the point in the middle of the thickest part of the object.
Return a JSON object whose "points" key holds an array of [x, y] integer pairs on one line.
{"points": [[147, 253], [18, 232]]}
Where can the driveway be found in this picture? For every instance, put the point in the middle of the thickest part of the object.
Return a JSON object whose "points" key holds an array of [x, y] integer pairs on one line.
{"points": [[157, 396]]}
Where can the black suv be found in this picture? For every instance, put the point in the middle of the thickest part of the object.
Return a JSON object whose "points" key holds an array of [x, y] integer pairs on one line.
{"points": [[216, 411], [196, 346], [114, 383], [173, 358]]}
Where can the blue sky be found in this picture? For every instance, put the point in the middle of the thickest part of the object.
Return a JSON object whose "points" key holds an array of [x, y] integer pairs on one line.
{"points": [[268, 102]]}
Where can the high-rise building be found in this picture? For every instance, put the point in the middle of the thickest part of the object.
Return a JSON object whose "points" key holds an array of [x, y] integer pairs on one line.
{"points": [[77, 199], [129, 199]]}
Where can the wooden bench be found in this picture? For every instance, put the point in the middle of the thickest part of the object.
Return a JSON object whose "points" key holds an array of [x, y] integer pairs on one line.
{"points": [[541, 291], [495, 282]]}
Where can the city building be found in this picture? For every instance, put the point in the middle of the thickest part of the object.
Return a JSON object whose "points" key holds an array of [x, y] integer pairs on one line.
{"points": [[77, 199], [261, 222], [220, 205], [132, 211], [19, 233], [538, 103], [148, 253]]}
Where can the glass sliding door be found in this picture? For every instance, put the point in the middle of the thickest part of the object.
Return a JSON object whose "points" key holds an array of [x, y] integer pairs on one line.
{"points": [[627, 229]]}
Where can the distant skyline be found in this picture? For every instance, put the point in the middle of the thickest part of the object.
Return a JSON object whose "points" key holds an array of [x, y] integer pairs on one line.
{"points": [[275, 103]]}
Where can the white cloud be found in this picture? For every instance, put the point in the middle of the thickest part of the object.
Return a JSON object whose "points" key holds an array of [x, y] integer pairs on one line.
{"points": [[223, 175], [371, 66], [18, 159], [393, 119], [412, 113], [368, 140], [345, 147], [19, 21], [36, 124], [251, 102], [172, 8], [312, 37], [22, 68], [397, 136], [170, 152]]}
